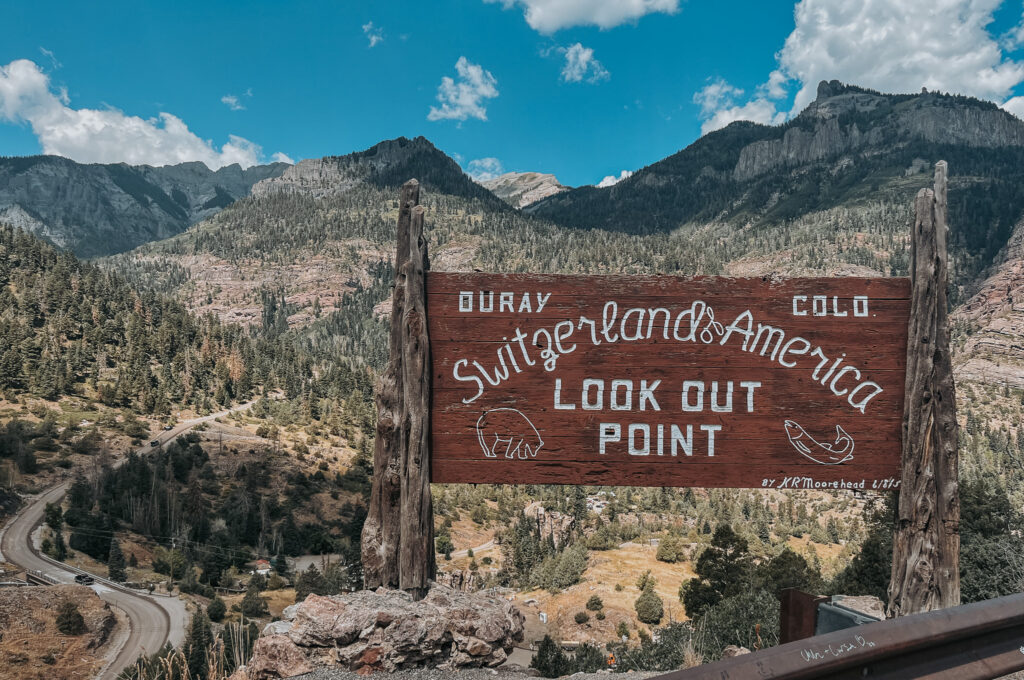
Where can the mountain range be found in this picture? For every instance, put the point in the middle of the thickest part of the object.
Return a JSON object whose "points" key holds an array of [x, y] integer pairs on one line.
{"points": [[826, 193], [98, 209]]}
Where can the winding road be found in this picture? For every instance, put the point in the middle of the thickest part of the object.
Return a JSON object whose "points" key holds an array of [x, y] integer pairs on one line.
{"points": [[154, 620]]}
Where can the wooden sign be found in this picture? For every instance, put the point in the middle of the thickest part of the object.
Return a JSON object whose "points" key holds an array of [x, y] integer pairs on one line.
{"points": [[667, 381]]}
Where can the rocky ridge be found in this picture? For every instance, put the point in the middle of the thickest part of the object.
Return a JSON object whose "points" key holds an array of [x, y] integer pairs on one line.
{"points": [[520, 189], [992, 321], [94, 209]]}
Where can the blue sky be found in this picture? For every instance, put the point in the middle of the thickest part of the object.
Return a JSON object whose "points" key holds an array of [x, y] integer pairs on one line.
{"points": [[580, 88]]}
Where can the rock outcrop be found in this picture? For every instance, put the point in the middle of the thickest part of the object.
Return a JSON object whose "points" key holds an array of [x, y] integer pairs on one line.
{"points": [[994, 350], [94, 209], [520, 189], [387, 630]]}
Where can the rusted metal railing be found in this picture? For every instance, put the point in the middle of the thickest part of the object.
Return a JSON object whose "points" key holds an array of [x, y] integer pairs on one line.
{"points": [[971, 642]]}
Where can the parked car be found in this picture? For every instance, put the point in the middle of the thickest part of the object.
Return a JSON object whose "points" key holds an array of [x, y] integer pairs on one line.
{"points": [[168, 427], [84, 579], [155, 443]]}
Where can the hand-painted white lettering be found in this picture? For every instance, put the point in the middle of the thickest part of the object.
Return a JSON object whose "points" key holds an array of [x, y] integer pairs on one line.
{"points": [[626, 402], [819, 305], [798, 309], [862, 404], [645, 430], [542, 300], [727, 406], [593, 330], [559, 406], [711, 430], [788, 348], [647, 395], [524, 305], [699, 404], [563, 331], [679, 441], [638, 331], [468, 378], [608, 315], [597, 403], [844, 369], [746, 331], [466, 301], [652, 314], [520, 337], [751, 386], [609, 433], [692, 324], [769, 332]]}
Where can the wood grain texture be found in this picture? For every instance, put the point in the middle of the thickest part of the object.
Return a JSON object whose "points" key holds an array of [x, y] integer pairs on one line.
{"points": [[381, 530], [926, 546], [416, 539], [770, 344], [398, 536]]}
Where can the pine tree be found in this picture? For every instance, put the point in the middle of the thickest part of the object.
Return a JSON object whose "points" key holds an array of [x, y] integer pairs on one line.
{"points": [[115, 562], [197, 643]]}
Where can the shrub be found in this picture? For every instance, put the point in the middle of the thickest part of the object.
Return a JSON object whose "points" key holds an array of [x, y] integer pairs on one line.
{"points": [[594, 603], [748, 620], [216, 609], [622, 630], [581, 618], [69, 619], [649, 607], [599, 616], [550, 661], [671, 550]]}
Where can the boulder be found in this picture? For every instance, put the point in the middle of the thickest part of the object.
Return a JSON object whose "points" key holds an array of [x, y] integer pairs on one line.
{"points": [[276, 656], [387, 630]]}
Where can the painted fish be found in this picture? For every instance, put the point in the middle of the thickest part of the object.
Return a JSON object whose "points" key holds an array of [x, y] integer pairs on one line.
{"points": [[838, 452]]}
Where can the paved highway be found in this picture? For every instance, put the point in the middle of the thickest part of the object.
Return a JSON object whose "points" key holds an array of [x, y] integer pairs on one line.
{"points": [[154, 620]]}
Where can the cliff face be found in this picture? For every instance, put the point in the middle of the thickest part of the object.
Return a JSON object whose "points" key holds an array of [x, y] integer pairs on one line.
{"points": [[993, 351], [829, 128], [520, 189], [848, 142], [102, 209]]}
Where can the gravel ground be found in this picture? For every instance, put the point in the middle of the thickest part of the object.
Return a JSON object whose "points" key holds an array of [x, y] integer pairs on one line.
{"points": [[466, 674]]}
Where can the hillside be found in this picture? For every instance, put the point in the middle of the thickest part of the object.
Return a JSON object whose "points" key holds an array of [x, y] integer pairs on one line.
{"points": [[99, 209]]}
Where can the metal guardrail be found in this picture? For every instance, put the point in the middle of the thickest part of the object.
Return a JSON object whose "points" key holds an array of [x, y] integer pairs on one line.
{"points": [[970, 642]]}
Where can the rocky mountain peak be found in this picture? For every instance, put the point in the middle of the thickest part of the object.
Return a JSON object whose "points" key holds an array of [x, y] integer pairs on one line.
{"points": [[520, 189]]}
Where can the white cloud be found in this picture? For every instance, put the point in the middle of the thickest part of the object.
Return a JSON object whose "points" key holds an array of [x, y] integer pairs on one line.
{"points": [[107, 136], [232, 102], [718, 106], [888, 46], [483, 169], [548, 16], [464, 98], [612, 180], [581, 65], [282, 158], [373, 33]]}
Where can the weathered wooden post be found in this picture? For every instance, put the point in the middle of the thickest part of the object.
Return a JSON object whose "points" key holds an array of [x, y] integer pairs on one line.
{"points": [[926, 544], [398, 536]]}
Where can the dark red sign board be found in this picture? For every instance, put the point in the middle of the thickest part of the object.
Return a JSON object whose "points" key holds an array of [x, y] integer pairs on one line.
{"points": [[667, 381]]}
